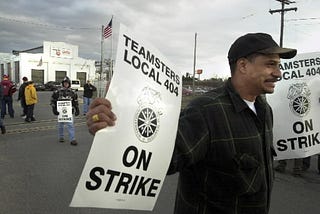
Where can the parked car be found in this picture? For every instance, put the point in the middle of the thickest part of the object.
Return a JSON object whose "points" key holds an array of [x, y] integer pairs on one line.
{"points": [[200, 91], [75, 85], [186, 92], [52, 85], [39, 86]]}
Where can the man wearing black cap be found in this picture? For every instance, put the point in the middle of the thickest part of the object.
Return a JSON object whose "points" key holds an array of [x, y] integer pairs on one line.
{"points": [[223, 149], [21, 96], [66, 94]]}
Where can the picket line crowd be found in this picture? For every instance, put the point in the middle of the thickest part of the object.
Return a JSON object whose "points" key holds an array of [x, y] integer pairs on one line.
{"points": [[27, 95]]}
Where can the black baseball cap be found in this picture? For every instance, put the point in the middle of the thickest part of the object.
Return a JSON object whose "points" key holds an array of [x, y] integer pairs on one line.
{"points": [[257, 43]]}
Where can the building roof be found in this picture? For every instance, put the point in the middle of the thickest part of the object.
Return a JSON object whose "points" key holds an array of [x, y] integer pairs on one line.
{"points": [[32, 50]]}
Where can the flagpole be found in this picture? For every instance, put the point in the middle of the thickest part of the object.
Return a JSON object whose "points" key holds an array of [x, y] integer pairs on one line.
{"points": [[101, 62], [107, 32], [110, 63], [194, 60], [111, 69]]}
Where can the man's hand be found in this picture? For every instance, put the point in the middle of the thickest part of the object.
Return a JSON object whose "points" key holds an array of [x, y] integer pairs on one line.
{"points": [[77, 112], [100, 115], [54, 110]]}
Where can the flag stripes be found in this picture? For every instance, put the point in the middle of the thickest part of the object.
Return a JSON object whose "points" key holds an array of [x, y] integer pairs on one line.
{"points": [[107, 30]]}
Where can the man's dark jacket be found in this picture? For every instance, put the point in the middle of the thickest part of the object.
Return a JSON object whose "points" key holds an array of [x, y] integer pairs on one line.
{"points": [[88, 90], [224, 155]]}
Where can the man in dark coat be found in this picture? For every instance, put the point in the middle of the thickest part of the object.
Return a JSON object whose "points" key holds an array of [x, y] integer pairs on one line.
{"points": [[21, 96]]}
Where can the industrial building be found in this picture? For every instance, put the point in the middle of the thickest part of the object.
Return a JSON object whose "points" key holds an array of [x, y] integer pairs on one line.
{"points": [[50, 62]]}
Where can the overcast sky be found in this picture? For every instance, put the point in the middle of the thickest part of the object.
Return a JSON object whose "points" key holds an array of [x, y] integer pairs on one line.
{"points": [[170, 25]]}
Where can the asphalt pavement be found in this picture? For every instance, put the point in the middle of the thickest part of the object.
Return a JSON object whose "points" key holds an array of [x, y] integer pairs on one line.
{"points": [[38, 175]]}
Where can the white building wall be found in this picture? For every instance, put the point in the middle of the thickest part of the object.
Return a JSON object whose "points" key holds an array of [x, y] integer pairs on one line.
{"points": [[56, 56]]}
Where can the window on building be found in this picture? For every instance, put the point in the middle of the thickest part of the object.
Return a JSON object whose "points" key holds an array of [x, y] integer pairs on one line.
{"points": [[37, 75], [82, 76], [9, 69], [17, 71], [60, 75], [2, 69]]}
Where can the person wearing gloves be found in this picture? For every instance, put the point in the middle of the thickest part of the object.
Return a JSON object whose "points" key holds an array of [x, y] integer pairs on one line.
{"points": [[66, 94]]}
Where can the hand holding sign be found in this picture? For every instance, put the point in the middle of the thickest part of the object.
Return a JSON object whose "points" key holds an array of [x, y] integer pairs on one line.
{"points": [[102, 108], [128, 162]]}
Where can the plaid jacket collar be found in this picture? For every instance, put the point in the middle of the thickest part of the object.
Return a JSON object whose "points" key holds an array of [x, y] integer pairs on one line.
{"points": [[237, 101]]}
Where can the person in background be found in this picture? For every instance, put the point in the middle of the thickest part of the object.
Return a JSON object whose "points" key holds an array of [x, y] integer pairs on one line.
{"points": [[9, 88], [298, 166], [31, 98], [307, 163], [87, 95], [2, 127], [65, 94], [21, 96], [224, 145]]}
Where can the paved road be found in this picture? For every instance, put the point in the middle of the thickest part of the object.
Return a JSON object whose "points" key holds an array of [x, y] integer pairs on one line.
{"points": [[38, 175]]}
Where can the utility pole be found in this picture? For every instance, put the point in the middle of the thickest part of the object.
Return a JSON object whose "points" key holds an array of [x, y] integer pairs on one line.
{"points": [[282, 10]]}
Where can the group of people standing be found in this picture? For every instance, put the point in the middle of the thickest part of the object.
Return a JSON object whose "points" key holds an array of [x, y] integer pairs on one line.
{"points": [[27, 95], [28, 98]]}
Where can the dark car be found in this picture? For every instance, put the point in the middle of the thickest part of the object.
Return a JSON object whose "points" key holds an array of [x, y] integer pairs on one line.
{"points": [[39, 86], [186, 92], [52, 85]]}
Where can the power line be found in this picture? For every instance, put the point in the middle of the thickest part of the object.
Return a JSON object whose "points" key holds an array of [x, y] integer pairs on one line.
{"points": [[303, 19], [48, 25]]}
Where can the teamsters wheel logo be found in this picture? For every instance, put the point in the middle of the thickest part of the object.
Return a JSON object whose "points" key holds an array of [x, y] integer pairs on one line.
{"points": [[147, 117], [299, 96], [64, 110], [301, 105], [146, 124]]}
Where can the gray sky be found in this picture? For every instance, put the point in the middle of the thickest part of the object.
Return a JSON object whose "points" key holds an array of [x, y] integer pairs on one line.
{"points": [[170, 25]]}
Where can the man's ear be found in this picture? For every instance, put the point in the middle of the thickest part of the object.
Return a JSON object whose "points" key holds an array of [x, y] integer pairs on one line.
{"points": [[242, 65]]}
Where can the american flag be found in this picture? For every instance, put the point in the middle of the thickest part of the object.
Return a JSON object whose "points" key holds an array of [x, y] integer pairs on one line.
{"points": [[107, 30]]}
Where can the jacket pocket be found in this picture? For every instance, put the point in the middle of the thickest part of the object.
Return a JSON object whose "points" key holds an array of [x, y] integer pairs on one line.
{"points": [[249, 175]]}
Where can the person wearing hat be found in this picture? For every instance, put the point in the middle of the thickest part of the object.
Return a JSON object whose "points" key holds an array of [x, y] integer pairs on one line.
{"points": [[9, 88], [21, 96], [223, 149], [88, 90], [66, 94]]}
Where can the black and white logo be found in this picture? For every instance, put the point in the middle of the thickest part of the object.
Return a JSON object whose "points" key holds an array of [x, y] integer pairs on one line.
{"points": [[147, 117], [299, 96], [64, 110]]}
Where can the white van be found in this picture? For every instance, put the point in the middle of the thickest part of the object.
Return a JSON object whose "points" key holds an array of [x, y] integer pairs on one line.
{"points": [[75, 85]]}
